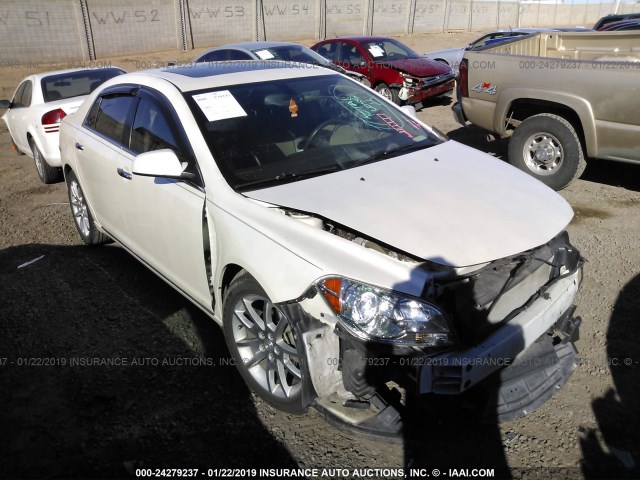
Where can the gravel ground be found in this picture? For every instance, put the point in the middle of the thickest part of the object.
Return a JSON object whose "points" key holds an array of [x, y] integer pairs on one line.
{"points": [[177, 403]]}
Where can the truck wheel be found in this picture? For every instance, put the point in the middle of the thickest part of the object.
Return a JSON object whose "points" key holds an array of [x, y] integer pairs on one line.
{"points": [[389, 93], [547, 147]]}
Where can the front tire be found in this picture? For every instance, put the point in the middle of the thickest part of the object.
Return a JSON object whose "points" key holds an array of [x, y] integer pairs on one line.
{"points": [[46, 173], [266, 345], [389, 93], [547, 147], [82, 217]]}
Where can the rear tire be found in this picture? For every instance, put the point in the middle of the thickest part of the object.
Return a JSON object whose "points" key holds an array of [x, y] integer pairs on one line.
{"points": [[547, 147], [82, 217], [389, 93], [46, 173]]}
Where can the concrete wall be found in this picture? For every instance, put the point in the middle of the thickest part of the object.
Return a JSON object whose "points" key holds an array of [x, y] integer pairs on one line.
{"points": [[36, 31], [61, 30], [120, 27], [219, 22], [345, 18], [429, 16], [298, 18], [390, 17]]}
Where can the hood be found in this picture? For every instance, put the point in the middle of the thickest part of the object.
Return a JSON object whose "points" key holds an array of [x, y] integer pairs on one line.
{"points": [[449, 204], [420, 67]]}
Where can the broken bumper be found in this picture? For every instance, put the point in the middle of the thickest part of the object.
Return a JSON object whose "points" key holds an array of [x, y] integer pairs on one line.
{"points": [[415, 95], [456, 372]]}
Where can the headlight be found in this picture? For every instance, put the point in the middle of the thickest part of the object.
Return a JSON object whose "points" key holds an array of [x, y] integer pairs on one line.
{"points": [[376, 313], [409, 81]]}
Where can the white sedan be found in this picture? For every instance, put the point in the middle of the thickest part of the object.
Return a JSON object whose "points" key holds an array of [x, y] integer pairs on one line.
{"points": [[39, 103], [347, 249]]}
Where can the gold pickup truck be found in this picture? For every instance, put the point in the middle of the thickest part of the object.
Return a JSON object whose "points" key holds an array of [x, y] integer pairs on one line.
{"points": [[561, 97]]}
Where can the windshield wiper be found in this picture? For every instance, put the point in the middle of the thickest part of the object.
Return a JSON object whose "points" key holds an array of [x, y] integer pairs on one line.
{"points": [[288, 177], [407, 147]]}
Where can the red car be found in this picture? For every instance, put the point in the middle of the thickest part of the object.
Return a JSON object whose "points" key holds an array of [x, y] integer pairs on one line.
{"points": [[394, 70]]}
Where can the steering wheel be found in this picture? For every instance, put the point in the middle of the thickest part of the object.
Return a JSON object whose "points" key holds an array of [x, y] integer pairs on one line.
{"points": [[312, 136]]}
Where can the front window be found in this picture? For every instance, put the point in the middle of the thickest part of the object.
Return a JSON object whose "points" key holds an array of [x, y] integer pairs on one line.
{"points": [[75, 84], [269, 133], [388, 50]]}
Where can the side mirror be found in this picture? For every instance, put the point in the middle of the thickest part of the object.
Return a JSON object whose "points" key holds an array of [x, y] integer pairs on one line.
{"points": [[5, 103], [409, 110], [160, 163]]}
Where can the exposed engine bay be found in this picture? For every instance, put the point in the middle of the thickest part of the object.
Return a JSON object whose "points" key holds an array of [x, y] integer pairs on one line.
{"points": [[481, 302]]}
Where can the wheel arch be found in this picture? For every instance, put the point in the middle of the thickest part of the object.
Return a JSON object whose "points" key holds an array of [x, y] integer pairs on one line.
{"points": [[516, 105], [229, 272], [36, 140]]}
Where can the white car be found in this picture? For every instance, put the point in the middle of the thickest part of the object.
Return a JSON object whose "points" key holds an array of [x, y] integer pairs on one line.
{"points": [[39, 103], [346, 249]]}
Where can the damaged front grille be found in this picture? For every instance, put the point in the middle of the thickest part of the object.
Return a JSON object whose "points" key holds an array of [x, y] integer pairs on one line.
{"points": [[482, 301]]}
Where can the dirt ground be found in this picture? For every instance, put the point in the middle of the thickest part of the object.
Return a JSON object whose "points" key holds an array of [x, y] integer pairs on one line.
{"points": [[176, 403]]}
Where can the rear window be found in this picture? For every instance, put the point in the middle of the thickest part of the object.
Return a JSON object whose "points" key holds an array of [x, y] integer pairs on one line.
{"points": [[75, 84]]}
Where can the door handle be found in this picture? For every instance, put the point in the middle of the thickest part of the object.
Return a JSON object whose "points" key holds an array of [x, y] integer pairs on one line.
{"points": [[124, 174], [79, 146]]}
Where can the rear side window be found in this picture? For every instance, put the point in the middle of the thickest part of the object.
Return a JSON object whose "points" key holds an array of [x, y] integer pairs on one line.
{"points": [[17, 98], [26, 95], [111, 115], [217, 56]]}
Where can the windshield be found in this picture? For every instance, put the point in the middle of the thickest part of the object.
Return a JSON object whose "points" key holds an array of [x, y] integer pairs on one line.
{"points": [[75, 84], [388, 50], [268, 133], [293, 53]]}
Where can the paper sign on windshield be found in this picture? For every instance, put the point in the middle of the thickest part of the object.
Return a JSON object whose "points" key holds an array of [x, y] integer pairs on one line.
{"points": [[264, 54], [376, 51], [219, 105]]}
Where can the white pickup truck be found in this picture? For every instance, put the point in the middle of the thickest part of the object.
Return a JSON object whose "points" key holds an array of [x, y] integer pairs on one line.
{"points": [[562, 97]]}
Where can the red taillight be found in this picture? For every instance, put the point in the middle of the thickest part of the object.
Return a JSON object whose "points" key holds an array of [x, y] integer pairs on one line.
{"points": [[463, 78], [53, 117]]}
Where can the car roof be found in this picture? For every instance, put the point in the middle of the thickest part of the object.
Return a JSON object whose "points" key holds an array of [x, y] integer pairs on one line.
{"points": [[197, 76], [360, 38], [250, 46]]}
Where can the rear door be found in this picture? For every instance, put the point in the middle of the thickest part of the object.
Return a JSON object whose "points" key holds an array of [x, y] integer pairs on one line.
{"points": [[104, 158], [16, 116]]}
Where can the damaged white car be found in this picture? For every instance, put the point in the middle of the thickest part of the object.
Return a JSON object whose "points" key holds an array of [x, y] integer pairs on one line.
{"points": [[348, 250]]}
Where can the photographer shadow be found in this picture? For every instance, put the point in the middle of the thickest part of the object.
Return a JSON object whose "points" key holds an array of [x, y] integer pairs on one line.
{"points": [[109, 371], [611, 449]]}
